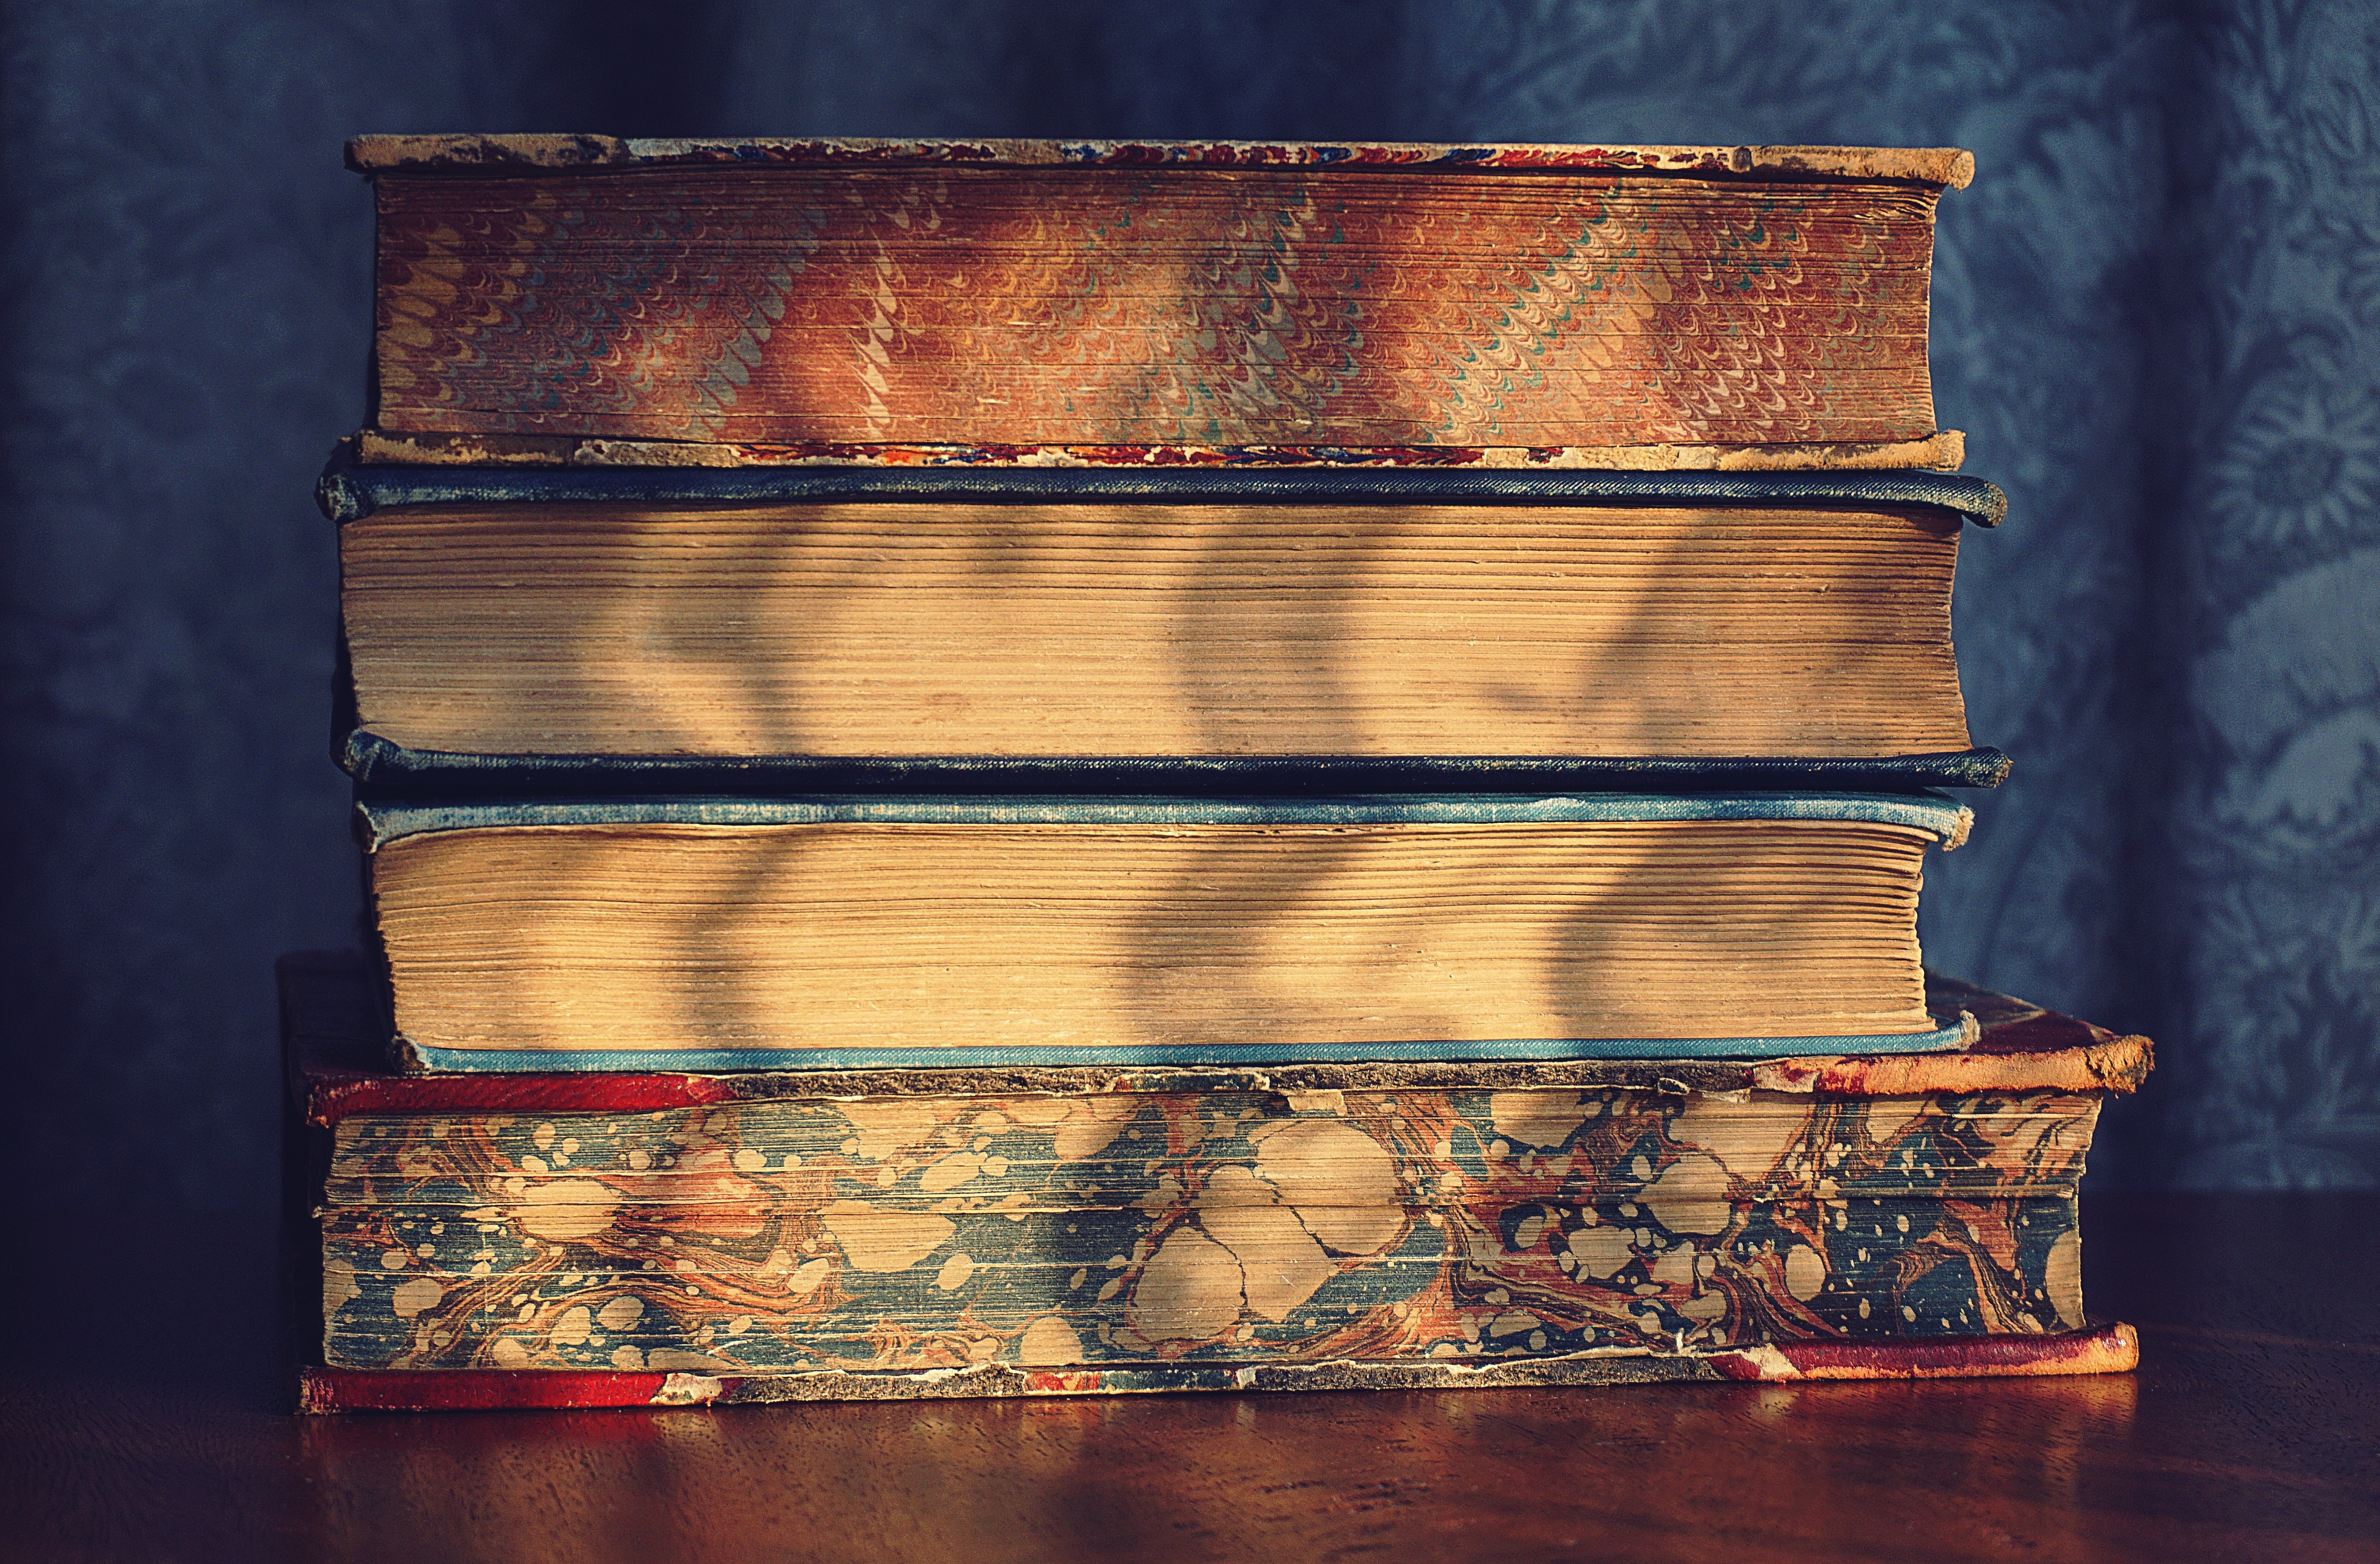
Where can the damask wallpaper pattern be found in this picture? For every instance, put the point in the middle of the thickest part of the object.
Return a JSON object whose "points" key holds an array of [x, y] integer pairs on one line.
{"points": [[2158, 317], [2273, 921]]}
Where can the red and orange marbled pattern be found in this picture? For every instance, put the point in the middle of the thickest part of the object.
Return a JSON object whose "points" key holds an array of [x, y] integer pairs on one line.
{"points": [[1105, 1231], [943, 305]]}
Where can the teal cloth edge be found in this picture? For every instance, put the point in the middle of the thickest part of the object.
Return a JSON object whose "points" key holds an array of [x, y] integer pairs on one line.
{"points": [[381, 822], [1956, 1033], [348, 491]]}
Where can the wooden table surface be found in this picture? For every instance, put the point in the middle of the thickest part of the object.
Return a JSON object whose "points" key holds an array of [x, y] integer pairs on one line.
{"points": [[2252, 1432]]}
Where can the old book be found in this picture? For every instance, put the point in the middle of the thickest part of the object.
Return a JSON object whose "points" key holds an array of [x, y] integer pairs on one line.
{"points": [[583, 299], [806, 628], [676, 1238], [737, 933]]}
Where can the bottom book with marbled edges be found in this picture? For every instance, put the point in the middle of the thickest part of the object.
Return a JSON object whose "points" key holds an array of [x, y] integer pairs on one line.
{"points": [[658, 1238]]}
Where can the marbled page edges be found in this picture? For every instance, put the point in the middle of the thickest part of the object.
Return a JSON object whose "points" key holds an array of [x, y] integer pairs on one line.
{"points": [[1239, 1228], [884, 304]]}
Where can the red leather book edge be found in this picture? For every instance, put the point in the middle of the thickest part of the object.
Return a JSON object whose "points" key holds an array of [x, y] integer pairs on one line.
{"points": [[338, 1390], [2107, 1348]]}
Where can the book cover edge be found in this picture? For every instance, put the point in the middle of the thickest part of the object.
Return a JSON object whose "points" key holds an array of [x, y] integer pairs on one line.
{"points": [[531, 152], [380, 765], [380, 822], [1950, 1033], [2112, 1348], [1943, 450], [349, 490]]}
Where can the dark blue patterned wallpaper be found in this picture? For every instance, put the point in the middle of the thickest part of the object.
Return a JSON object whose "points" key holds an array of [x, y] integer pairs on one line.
{"points": [[2157, 316]]}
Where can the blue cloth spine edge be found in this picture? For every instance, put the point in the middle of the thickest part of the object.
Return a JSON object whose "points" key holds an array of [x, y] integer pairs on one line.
{"points": [[381, 822], [1958, 1031], [349, 493], [379, 764]]}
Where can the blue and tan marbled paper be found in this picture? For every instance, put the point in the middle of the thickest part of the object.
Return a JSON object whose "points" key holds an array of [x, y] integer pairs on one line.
{"points": [[1232, 1227]]}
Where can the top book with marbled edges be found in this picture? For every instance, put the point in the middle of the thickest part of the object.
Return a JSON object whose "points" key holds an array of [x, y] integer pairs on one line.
{"points": [[592, 300]]}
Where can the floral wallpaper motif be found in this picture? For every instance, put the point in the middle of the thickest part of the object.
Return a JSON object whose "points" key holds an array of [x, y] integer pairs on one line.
{"points": [[2156, 316], [2275, 821]]}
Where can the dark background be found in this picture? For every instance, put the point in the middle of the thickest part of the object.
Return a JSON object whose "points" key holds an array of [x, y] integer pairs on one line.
{"points": [[2156, 316]]}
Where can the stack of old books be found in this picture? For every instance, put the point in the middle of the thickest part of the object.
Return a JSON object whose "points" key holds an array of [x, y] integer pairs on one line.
{"points": [[1020, 768]]}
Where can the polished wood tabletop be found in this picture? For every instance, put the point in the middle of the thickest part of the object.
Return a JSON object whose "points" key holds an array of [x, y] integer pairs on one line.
{"points": [[2250, 1432]]}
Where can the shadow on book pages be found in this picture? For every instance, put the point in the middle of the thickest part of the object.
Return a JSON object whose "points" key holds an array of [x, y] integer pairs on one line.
{"points": [[877, 931]]}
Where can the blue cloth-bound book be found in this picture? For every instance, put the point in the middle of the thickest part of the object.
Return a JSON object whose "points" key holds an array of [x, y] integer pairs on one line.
{"points": [[920, 932], [349, 492], [1186, 630]]}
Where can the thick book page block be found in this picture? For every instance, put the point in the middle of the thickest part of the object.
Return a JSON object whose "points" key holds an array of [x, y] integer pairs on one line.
{"points": [[750, 624], [815, 303], [925, 930]]}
